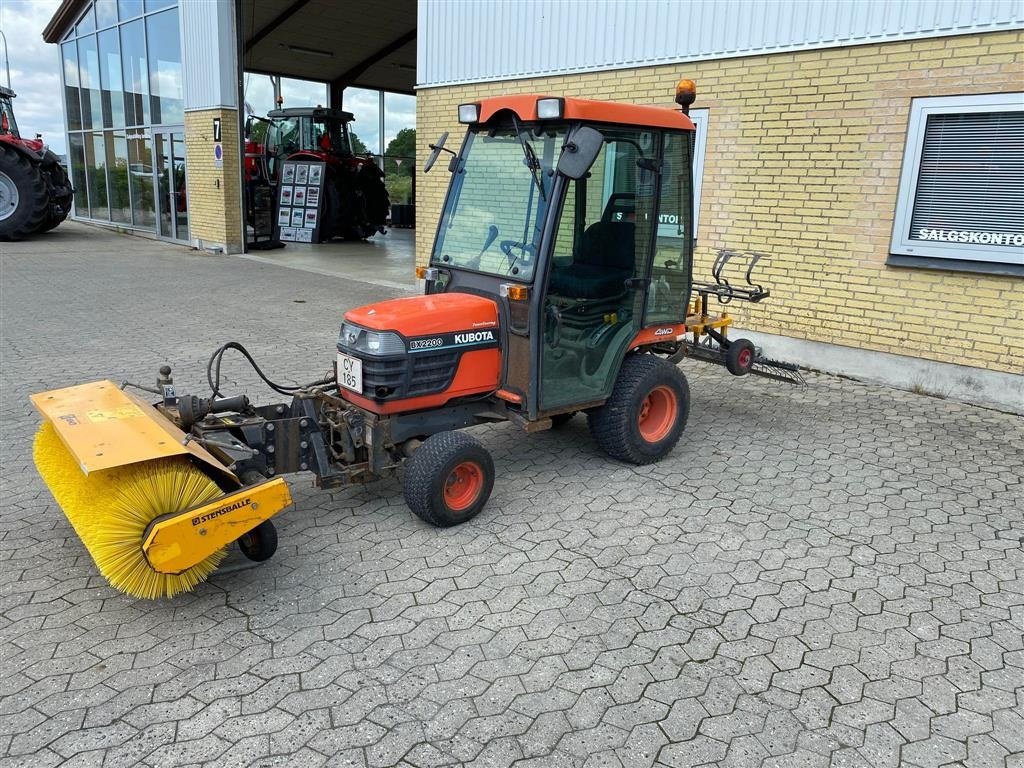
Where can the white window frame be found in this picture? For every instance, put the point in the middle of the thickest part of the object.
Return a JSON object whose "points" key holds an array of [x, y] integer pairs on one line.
{"points": [[700, 121], [920, 109]]}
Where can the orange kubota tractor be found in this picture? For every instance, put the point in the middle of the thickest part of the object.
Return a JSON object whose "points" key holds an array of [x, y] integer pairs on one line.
{"points": [[35, 192], [559, 282]]}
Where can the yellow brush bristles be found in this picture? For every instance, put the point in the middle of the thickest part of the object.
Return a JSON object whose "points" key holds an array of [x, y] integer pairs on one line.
{"points": [[111, 509]]}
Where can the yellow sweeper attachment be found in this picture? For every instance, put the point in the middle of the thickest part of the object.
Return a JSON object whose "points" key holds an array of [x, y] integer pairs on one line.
{"points": [[149, 508]]}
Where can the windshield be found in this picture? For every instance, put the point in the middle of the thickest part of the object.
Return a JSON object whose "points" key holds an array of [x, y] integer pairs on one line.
{"points": [[7, 124], [500, 194]]}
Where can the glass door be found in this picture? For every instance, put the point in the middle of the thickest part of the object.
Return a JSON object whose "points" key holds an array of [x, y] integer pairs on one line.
{"points": [[600, 262], [169, 152]]}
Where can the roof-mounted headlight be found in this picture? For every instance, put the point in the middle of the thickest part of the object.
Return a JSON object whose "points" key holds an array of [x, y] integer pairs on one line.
{"points": [[550, 109], [469, 113]]}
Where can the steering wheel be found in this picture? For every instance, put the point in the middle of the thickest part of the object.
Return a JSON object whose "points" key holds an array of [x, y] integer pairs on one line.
{"points": [[525, 251]]}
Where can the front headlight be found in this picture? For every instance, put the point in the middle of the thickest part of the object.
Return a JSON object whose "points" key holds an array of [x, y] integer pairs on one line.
{"points": [[381, 343]]}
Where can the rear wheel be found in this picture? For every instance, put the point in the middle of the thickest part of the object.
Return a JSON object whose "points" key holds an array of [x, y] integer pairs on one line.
{"points": [[646, 413], [23, 197], [448, 479]]}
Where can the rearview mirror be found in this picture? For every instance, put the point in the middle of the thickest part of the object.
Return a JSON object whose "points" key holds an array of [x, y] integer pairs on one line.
{"points": [[580, 152], [435, 152]]}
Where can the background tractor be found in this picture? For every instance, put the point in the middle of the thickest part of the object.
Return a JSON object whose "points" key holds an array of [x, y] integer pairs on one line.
{"points": [[355, 200], [35, 192]]}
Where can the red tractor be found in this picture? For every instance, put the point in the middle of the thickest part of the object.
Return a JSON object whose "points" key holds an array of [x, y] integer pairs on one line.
{"points": [[356, 202], [35, 192]]}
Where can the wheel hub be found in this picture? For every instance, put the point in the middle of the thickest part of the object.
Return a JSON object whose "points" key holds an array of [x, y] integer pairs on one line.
{"points": [[8, 196], [657, 414], [463, 485]]}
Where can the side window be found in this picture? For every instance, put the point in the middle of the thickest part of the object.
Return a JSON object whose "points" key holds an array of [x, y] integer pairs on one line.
{"points": [[669, 292], [607, 217]]}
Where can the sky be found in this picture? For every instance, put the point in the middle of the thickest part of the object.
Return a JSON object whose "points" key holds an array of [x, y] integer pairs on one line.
{"points": [[35, 70], [35, 77]]}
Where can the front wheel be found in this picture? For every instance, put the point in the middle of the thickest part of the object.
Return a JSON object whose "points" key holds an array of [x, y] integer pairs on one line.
{"points": [[646, 414], [448, 479]]}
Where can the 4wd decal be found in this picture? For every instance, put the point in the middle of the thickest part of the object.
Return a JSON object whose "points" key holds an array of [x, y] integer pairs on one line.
{"points": [[470, 339]]}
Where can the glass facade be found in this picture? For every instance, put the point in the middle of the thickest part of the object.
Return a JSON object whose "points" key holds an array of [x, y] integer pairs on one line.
{"points": [[122, 87]]}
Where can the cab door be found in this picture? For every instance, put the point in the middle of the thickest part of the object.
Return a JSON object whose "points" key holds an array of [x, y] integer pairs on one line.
{"points": [[593, 304]]}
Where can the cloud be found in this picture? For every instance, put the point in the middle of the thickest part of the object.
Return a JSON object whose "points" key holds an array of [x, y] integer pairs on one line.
{"points": [[39, 108], [35, 69]]}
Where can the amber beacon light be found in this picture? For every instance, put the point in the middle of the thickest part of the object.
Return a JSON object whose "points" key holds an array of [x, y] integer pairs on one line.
{"points": [[686, 94]]}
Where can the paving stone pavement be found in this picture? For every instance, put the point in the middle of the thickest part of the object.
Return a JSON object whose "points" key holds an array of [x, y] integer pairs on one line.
{"points": [[827, 575]]}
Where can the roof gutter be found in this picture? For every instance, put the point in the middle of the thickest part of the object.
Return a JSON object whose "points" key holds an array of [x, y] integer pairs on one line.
{"points": [[62, 20]]}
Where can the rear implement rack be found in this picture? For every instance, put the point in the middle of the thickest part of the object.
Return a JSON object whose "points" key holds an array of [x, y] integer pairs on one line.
{"points": [[709, 339]]}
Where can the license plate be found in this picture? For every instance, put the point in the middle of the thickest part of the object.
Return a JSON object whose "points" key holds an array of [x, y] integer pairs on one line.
{"points": [[350, 373]]}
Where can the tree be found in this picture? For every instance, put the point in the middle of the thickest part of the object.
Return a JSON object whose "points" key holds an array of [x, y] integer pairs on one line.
{"points": [[357, 145], [400, 156]]}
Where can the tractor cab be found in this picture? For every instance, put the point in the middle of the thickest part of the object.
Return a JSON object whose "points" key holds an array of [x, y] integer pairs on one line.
{"points": [[575, 217], [317, 131], [8, 125]]}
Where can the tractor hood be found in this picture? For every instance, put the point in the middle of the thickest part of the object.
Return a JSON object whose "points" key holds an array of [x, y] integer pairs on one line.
{"points": [[416, 316]]}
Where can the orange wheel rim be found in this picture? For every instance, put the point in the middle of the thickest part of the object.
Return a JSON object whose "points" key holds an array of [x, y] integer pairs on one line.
{"points": [[462, 486], [657, 414]]}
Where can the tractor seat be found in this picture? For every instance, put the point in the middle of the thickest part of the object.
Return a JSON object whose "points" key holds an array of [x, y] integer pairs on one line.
{"points": [[603, 262]]}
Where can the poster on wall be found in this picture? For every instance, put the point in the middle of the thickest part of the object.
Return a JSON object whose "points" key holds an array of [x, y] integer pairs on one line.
{"points": [[300, 216]]}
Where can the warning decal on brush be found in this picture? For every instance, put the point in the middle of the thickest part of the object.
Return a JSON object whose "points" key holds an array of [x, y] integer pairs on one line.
{"points": [[116, 414]]}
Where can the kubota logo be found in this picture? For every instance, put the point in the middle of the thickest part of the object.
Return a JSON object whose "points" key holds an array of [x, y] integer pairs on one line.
{"points": [[474, 337]]}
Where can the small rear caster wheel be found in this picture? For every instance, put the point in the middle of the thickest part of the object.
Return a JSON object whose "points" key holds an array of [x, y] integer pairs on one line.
{"points": [[260, 543], [739, 357], [448, 479]]}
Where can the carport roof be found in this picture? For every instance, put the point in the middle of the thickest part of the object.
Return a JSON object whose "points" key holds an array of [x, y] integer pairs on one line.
{"points": [[368, 45], [346, 44]]}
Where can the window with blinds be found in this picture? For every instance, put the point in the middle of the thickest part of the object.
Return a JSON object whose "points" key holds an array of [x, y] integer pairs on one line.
{"points": [[962, 189]]}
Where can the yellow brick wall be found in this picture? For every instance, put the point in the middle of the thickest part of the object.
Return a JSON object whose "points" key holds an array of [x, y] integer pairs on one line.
{"points": [[803, 161], [214, 194]]}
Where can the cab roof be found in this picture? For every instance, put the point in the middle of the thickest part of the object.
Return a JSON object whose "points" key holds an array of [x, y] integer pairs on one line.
{"points": [[589, 110], [318, 113]]}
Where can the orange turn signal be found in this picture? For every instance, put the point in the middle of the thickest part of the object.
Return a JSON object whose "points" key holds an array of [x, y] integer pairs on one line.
{"points": [[518, 293], [421, 273]]}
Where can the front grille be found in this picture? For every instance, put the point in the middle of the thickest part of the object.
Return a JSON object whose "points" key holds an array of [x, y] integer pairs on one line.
{"points": [[411, 375], [432, 371]]}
